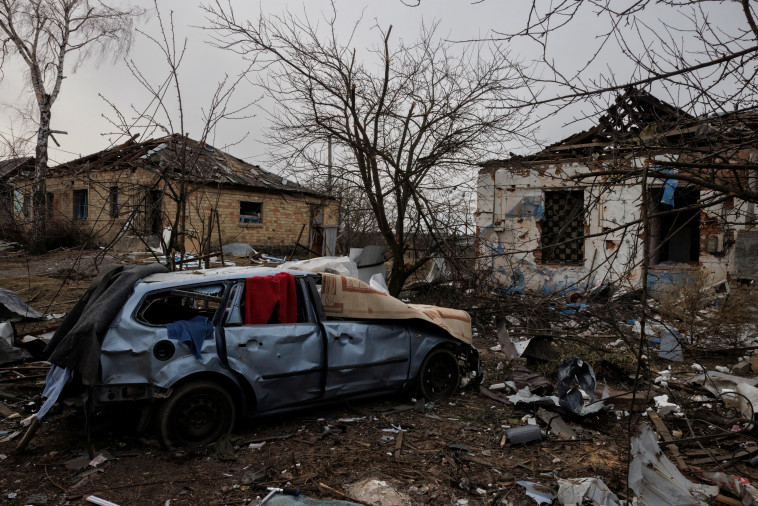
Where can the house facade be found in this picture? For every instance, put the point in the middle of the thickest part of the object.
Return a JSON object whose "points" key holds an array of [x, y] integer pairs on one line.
{"points": [[133, 192], [14, 204], [570, 218]]}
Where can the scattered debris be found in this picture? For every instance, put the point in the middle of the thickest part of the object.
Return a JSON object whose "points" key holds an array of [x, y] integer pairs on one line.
{"points": [[570, 370], [523, 435], [556, 424], [12, 308], [375, 491], [576, 491], [538, 492], [655, 479], [237, 249]]}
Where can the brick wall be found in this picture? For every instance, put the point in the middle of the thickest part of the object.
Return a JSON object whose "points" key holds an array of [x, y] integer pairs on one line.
{"points": [[283, 215]]}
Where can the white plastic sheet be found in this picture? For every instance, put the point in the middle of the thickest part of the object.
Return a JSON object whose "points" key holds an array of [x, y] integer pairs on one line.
{"points": [[576, 491]]}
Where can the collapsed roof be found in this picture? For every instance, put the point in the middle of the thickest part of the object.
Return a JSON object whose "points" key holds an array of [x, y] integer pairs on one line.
{"points": [[638, 119], [7, 167], [175, 156]]}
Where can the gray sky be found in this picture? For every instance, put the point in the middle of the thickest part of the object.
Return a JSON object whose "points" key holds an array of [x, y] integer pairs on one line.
{"points": [[80, 110]]}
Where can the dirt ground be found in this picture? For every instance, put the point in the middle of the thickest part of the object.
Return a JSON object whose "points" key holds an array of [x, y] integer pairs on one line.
{"points": [[451, 452]]}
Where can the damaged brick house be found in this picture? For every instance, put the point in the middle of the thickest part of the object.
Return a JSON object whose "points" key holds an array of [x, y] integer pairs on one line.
{"points": [[568, 218], [129, 193], [14, 204]]}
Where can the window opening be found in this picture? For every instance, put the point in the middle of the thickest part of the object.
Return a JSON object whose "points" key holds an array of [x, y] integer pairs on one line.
{"points": [[81, 205], [50, 204], [114, 201], [153, 207], [251, 212], [563, 227], [182, 303], [26, 205], [675, 236], [18, 201]]}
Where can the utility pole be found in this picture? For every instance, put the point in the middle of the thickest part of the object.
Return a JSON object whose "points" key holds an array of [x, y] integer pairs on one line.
{"points": [[329, 165]]}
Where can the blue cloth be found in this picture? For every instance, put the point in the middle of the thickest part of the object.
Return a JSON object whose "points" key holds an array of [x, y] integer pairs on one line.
{"points": [[669, 188], [193, 332], [57, 378]]}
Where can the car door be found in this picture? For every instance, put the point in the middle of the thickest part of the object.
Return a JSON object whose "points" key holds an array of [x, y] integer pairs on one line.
{"points": [[366, 356], [284, 362]]}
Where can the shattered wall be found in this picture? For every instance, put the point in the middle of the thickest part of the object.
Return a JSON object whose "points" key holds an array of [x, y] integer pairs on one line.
{"points": [[510, 218]]}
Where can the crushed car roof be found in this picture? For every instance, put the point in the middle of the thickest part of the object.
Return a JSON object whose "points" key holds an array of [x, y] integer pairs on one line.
{"points": [[220, 274]]}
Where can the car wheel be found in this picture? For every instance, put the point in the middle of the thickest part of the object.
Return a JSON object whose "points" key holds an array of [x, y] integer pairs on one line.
{"points": [[197, 413], [439, 374]]}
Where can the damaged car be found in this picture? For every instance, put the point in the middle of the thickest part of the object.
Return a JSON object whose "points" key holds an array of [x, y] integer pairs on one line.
{"points": [[204, 348]]}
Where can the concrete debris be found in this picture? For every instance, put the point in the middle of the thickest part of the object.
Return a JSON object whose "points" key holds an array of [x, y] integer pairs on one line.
{"points": [[742, 368], [377, 492]]}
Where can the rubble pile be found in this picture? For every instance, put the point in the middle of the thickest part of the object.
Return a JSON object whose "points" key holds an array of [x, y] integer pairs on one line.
{"points": [[566, 414]]}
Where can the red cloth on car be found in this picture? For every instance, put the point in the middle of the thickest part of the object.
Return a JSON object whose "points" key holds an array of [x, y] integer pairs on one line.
{"points": [[270, 299]]}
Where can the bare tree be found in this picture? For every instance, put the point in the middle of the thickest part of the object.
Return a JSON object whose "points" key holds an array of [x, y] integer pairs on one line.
{"points": [[183, 174], [45, 35], [406, 119]]}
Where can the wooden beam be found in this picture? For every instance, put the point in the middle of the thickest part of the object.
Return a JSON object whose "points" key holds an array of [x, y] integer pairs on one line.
{"points": [[666, 436]]}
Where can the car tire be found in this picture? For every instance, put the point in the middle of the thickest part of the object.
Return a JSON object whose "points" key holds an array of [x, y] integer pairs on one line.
{"points": [[197, 413], [439, 374]]}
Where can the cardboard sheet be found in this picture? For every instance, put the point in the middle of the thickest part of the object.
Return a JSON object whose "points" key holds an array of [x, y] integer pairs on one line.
{"points": [[345, 297]]}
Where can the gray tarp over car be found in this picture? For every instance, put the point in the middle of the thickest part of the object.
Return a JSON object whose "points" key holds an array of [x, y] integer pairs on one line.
{"points": [[76, 343]]}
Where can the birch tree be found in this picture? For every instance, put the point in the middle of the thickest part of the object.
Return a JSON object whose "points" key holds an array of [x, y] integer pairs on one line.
{"points": [[52, 37]]}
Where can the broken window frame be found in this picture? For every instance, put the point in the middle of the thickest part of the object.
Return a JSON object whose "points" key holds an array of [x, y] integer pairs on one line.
{"points": [[18, 202], [186, 294], [81, 204], [661, 232], [556, 244], [113, 200], [247, 217]]}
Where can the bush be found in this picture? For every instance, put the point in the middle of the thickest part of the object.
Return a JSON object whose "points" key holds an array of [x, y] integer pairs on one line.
{"points": [[65, 234]]}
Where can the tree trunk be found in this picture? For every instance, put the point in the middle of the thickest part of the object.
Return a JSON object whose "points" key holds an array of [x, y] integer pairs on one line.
{"points": [[397, 272], [39, 188]]}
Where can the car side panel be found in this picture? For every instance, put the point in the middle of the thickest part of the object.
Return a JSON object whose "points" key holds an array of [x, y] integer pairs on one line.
{"points": [[366, 356], [127, 357], [282, 362]]}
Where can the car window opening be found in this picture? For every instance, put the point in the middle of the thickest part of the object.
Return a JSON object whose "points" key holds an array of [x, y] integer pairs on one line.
{"points": [[181, 304]]}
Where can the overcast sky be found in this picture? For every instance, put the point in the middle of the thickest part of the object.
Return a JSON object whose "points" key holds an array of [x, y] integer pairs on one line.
{"points": [[80, 111]]}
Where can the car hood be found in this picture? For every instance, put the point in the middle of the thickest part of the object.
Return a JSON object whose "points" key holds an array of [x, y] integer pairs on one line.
{"points": [[345, 297]]}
